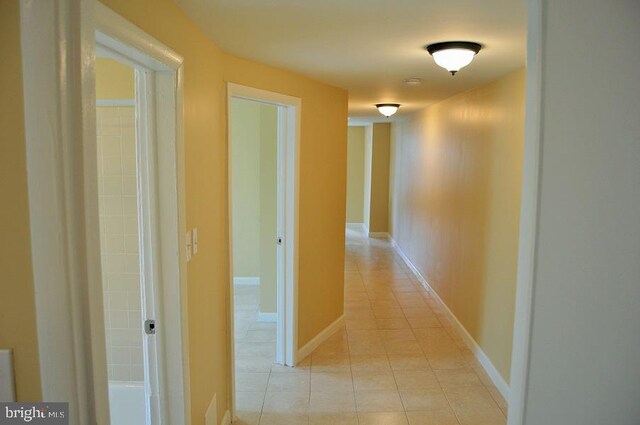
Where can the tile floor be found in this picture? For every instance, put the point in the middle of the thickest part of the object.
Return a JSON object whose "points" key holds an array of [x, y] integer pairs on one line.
{"points": [[396, 362]]}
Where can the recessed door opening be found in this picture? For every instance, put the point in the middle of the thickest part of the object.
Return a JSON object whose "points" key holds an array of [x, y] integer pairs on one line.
{"points": [[263, 138], [121, 242], [254, 194]]}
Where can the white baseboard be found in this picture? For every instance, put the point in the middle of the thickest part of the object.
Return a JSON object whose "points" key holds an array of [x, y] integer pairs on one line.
{"points": [[246, 281], [320, 338], [471, 343], [267, 317], [359, 227], [380, 235], [226, 419]]}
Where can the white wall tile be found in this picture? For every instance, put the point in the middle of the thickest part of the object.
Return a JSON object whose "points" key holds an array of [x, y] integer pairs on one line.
{"points": [[113, 225], [129, 186], [112, 205], [131, 225], [112, 186], [131, 244], [128, 165], [117, 183], [113, 244], [129, 205], [111, 166]]}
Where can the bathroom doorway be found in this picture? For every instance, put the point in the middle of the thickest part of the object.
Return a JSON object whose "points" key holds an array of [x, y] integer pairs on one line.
{"points": [[121, 242], [141, 217]]}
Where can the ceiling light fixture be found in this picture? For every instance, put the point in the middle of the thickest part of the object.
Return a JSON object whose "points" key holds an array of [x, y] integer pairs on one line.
{"points": [[388, 109], [453, 55]]}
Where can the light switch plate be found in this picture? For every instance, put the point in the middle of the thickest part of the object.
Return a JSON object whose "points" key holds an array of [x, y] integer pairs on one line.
{"points": [[188, 245], [194, 236]]}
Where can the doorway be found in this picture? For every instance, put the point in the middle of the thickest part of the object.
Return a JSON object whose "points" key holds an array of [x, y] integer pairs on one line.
{"points": [[263, 174], [141, 219], [121, 243], [254, 194]]}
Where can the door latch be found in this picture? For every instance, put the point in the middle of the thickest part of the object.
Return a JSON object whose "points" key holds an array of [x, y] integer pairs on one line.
{"points": [[279, 241], [150, 327]]}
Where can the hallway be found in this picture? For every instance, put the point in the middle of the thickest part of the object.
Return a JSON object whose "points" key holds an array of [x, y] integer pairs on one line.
{"points": [[396, 362]]}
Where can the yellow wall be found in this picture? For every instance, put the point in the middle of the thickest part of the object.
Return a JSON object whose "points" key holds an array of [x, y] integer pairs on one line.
{"points": [[368, 151], [379, 207], [355, 175], [245, 195], [114, 80], [456, 205], [268, 208], [17, 302]]}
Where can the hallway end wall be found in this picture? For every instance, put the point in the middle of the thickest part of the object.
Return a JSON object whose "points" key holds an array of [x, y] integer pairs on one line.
{"points": [[380, 152], [355, 175], [455, 206]]}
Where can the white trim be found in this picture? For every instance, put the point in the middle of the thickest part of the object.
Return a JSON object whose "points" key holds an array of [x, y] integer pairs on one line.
{"points": [[380, 235], [471, 343], [359, 227], [246, 281], [115, 102], [321, 337], [289, 122], [7, 376], [267, 317], [226, 419], [58, 104], [528, 216], [156, 54]]}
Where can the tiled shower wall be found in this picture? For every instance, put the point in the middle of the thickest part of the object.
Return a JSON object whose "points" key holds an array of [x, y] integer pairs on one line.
{"points": [[119, 242]]}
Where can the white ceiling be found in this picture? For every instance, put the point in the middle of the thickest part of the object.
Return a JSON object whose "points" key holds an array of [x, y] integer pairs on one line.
{"points": [[369, 46]]}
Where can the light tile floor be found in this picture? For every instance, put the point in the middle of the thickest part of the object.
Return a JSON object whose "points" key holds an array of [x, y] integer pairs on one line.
{"points": [[396, 362]]}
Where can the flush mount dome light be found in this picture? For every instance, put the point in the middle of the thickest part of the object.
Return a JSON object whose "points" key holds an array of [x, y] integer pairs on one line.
{"points": [[453, 55], [388, 109]]}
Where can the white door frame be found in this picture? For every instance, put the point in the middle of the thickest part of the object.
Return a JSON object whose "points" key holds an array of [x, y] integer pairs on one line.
{"points": [[528, 217], [58, 53], [289, 113]]}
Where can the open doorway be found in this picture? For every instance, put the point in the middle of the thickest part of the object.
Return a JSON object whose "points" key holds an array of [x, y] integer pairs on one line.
{"points": [[141, 221], [263, 140], [121, 242], [254, 195]]}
